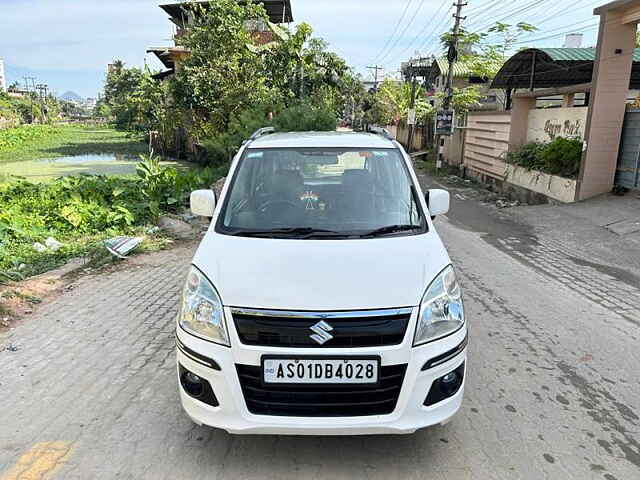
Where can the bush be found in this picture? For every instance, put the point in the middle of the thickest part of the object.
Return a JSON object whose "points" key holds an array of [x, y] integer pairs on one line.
{"points": [[81, 211], [166, 189], [560, 157], [527, 156], [14, 138], [301, 117], [304, 117], [221, 147]]}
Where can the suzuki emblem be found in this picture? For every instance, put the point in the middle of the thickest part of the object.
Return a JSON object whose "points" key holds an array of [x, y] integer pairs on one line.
{"points": [[321, 332]]}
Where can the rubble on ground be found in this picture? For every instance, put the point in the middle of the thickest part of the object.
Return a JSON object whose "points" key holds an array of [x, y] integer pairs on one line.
{"points": [[121, 246]]}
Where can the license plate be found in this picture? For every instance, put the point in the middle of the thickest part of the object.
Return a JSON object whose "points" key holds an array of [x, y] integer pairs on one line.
{"points": [[307, 370]]}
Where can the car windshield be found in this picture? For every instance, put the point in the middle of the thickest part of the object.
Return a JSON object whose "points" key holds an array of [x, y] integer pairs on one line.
{"points": [[321, 193]]}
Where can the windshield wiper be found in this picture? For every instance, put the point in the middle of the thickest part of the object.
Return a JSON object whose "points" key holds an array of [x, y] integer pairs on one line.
{"points": [[296, 232], [391, 229]]}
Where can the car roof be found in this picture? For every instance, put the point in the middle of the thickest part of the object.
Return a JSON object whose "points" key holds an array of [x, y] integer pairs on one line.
{"points": [[322, 139]]}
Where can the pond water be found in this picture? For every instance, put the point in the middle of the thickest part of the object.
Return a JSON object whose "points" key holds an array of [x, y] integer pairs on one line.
{"points": [[42, 170]]}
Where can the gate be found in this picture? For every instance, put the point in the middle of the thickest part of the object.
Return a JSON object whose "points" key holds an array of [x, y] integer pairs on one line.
{"points": [[628, 170]]}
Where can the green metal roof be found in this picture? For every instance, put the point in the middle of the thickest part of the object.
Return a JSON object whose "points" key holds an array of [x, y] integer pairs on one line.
{"points": [[460, 69], [554, 67], [578, 54], [570, 54]]}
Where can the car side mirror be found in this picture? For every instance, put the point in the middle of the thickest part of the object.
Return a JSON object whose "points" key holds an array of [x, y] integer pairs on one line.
{"points": [[203, 203], [438, 201]]}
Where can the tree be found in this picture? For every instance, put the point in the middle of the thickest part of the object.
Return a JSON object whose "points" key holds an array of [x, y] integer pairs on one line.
{"points": [[464, 98], [120, 84], [154, 110], [301, 67], [484, 54], [222, 75], [392, 101], [227, 83]]}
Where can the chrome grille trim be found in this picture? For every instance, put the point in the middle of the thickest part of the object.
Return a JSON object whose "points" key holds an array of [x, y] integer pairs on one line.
{"points": [[321, 315]]}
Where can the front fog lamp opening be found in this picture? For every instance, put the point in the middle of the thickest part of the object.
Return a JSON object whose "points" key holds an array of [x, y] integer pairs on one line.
{"points": [[197, 387], [445, 387], [450, 383], [192, 384], [441, 309]]}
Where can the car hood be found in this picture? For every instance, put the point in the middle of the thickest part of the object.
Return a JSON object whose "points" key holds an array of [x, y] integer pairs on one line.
{"points": [[290, 274]]}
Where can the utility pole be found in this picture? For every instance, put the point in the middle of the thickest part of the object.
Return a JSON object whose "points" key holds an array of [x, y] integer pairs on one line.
{"points": [[452, 56], [29, 89], [375, 68], [412, 109]]}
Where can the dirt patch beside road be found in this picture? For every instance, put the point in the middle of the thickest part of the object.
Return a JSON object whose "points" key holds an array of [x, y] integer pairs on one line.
{"points": [[19, 300]]}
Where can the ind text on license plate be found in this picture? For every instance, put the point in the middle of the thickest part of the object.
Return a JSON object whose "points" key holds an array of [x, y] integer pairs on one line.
{"points": [[306, 370]]}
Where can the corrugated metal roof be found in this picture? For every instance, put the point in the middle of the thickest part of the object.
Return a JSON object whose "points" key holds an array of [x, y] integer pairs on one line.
{"points": [[460, 69], [554, 67], [570, 54], [578, 54]]}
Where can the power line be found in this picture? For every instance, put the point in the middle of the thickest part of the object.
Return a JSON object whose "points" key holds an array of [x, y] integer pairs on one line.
{"points": [[586, 29], [395, 30], [563, 27], [558, 12], [436, 28], [424, 29], [375, 68], [512, 13], [433, 36], [404, 30], [437, 39]]}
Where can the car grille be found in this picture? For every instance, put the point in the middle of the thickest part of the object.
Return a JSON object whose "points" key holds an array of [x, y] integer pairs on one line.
{"points": [[321, 400], [368, 328]]}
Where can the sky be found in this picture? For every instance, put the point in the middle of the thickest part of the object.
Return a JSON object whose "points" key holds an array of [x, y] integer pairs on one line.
{"points": [[67, 44]]}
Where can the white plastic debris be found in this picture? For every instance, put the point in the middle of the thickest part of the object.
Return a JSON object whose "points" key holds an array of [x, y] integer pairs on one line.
{"points": [[38, 247], [53, 244], [122, 246]]}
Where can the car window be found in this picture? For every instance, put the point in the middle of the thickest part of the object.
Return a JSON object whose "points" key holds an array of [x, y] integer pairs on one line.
{"points": [[346, 192]]}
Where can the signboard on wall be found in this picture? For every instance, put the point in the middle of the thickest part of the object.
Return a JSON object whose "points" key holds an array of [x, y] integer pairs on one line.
{"points": [[547, 124], [444, 122]]}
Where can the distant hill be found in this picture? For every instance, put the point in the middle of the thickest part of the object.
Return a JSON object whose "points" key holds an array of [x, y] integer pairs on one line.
{"points": [[71, 97]]}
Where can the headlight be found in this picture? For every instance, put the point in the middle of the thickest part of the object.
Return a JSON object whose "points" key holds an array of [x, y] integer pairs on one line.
{"points": [[201, 312], [441, 310]]}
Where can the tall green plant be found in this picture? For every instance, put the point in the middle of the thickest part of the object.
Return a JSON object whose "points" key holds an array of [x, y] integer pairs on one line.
{"points": [[167, 189]]}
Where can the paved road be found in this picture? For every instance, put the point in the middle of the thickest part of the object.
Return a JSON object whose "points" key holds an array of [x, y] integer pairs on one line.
{"points": [[553, 388]]}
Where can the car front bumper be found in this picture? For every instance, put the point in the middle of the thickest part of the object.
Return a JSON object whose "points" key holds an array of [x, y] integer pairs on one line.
{"points": [[232, 414]]}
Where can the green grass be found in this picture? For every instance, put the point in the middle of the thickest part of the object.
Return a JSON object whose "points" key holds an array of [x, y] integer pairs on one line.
{"points": [[33, 142]]}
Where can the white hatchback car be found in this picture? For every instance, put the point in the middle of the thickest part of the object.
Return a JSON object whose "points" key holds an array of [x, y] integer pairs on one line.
{"points": [[321, 301]]}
